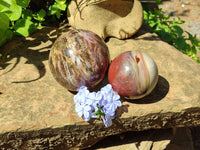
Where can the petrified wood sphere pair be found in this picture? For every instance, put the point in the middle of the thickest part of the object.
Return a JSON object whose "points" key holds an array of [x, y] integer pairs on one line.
{"points": [[81, 58]]}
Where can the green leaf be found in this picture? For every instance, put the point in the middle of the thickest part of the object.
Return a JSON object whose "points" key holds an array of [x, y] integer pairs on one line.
{"points": [[38, 25], [58, 14], [152, 16], [158, 1], [193, 39], [164, 27], [61, 2], [166, 36], [55, 10], [23, 3], [167, 17], [146, 16], [42, 13], [24, 27], [57, 7], [191, 51], [52, 10], [11, 9], [4, 22], [178, 21], [63, 7], [180, 43], [178, 29], [27, 14], [4, 5], [9, 34], [4, 36]]}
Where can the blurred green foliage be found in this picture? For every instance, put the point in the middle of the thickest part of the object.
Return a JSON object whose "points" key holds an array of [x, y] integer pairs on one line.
{"points": [[16, 18], [170, 31]]}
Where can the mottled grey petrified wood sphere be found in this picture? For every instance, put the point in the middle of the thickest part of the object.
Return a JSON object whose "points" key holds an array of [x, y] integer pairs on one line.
{"points": [[77, 58]]}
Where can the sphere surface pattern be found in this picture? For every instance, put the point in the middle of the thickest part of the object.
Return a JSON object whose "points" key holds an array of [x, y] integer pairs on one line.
{"points": [[133, 74], [77, 58]]}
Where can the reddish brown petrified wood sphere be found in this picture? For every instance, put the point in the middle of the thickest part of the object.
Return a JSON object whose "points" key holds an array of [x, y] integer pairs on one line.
{"points": [[133, 74]]}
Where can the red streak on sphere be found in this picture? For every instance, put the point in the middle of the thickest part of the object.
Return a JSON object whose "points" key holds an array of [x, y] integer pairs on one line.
{"points": [[121, 76]]}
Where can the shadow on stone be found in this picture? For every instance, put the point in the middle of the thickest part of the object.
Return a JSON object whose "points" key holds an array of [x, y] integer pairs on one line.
{"points": [[159, 92], [121, 110], [31, 48], [143, 30], [133, 140]]}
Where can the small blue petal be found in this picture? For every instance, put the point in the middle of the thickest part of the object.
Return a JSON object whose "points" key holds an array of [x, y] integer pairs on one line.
{"points": [[107, 89], [116, 97], [83, 91], [109, 97], [86, 116], [93, 115], [87, 108], [86, 119], [104, 102], [82, 88], [110, 113], [92, 95], [80, 113], [112, 107], [118, 103], [107, 120], [82, 99], [99, 96], [76, 99], [94, 105], [89, 101], [78, 107]]}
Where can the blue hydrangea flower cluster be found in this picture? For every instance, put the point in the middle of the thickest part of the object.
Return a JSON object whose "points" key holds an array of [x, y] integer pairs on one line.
{"points": [[101, 104]]}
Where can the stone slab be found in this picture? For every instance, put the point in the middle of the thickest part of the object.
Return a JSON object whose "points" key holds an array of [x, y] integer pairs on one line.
{"points": [[160, 139], [37, 113]]}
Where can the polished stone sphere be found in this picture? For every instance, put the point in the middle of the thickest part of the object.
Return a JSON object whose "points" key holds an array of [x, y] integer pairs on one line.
{"points": [[79, 58], [133, 74]]}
